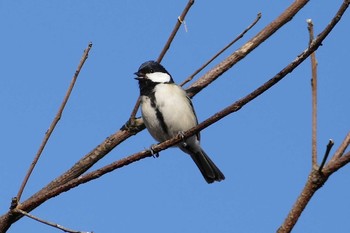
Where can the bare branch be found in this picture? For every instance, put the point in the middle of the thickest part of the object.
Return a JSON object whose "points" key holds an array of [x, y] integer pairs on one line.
{"points": [[258, 17], [339, 159], [314, 182], [339, 163], [54, 122], [179, 21], [310, 27], [342, 147], [253, 43], [55, 225], [317, 179], [329, 147]]}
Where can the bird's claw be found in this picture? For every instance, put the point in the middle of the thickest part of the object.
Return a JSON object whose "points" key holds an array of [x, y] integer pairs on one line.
{"points": [[154, 154], [182, 135]]}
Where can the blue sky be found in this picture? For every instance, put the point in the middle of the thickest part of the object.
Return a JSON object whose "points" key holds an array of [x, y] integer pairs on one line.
{"points": [[263, 150]]}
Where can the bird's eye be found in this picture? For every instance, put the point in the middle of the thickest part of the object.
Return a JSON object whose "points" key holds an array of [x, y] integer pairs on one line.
{"points": [[151, 70]]}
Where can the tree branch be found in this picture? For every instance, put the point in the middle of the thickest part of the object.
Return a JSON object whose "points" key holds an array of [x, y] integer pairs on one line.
{"points": [[317, 178], [310, 27], [248, 47], [339, 159], [55, 225], [54, 122], [258, 17], [179, 21], [326, 154], [315, 181]]}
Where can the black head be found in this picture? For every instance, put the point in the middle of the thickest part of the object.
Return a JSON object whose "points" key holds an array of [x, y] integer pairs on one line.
{"points": [[153, 72]]}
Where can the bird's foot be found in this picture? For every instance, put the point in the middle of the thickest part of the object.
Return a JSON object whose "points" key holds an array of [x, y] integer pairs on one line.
{"points": [[154, 154], [182, 135]]}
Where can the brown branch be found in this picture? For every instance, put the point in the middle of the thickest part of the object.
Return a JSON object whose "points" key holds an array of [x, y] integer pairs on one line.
{"points": [[258, 17], [339, 159], [253, 43], [316, 178], [55, 225], [310, 28], [180, 20], [326, 154], [54, 122], [315, 181]]}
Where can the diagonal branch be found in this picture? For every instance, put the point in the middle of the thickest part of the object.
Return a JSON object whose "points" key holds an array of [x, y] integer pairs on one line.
{"points": [[179, 21], [339, 159], [248, 47], [55, 225], [317, 178], [54, 122], [258, 17], [315, 181]]}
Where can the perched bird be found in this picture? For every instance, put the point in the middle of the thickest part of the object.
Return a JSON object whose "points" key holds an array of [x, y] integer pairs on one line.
{"points": [[167, 111]]}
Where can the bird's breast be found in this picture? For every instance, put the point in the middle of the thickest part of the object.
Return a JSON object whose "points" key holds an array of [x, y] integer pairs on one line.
{"points": [[167, 111]]}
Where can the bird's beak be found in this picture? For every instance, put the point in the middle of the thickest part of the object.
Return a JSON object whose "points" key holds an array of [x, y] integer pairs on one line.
{"points": [[139, 75]]}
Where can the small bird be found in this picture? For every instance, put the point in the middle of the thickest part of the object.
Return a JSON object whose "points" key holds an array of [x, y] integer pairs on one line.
{"points": [[167, 111]]}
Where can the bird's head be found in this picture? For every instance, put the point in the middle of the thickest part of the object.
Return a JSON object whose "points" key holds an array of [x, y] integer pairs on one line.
{"points": [[152, 71]]}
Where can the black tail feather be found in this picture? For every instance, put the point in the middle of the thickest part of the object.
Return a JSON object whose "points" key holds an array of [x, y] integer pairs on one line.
{"points": [[207, 167]]}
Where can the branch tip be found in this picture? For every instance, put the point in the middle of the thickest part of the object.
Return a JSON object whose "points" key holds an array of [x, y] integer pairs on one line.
{"points": [[53, 123], [326, 154]]}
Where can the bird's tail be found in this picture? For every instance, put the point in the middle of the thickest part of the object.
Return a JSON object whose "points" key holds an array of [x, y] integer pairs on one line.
{"points": [[206, 166]]}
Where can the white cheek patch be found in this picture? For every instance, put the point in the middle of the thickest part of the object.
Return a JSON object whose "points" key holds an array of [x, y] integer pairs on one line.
{"points": [[159, 77]]}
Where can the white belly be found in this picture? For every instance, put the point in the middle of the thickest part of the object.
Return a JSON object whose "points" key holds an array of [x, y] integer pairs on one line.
{"points": [[176, 109]]}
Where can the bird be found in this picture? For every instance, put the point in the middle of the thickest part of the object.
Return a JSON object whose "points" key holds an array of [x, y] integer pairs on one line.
{"points": [[167, 111]]}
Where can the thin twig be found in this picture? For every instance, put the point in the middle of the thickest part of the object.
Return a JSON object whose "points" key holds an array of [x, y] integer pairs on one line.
{"points": [[54, 122], [245, 49], [341, 149], [333, 166], [328, 149], [55, 225], [310, 28], [179, 21], [258, 17], [134, 111], [343, 146], [316, 179]]}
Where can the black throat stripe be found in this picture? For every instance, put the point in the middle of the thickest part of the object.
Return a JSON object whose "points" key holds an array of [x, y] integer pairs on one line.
{"points": [[159, 115], [146, 87]]}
